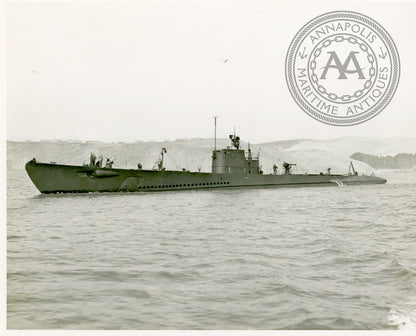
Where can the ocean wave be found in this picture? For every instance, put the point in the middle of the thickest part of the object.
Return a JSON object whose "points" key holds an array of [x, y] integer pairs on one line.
{"points": [[326, 323], [397, 268], [403, 320]]}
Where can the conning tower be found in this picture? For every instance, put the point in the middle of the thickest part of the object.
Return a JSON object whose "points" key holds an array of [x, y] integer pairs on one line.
{"points": [[233, 160]]}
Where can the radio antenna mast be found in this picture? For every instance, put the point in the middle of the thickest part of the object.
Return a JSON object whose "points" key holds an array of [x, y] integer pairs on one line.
{"points": [[215, 133]]}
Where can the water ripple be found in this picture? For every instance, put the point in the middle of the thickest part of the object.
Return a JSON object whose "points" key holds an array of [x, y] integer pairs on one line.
{"points": [[313, 258]]}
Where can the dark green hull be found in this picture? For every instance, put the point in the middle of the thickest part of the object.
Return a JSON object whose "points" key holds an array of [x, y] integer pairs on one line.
{"points": [[54, 178]]}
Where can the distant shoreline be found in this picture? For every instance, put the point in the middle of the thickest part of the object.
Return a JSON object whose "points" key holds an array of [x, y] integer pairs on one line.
{"points": [[396, 170]]}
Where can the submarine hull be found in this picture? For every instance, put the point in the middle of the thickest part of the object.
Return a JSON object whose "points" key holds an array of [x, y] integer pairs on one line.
{"points": [[57, 178]]}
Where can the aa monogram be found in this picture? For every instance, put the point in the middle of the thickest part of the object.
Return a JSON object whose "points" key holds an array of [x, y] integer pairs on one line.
{"points": [[342, 68]]}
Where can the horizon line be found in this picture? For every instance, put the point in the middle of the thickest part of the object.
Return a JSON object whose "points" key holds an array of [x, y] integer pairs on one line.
{"points": [[197, 138]]}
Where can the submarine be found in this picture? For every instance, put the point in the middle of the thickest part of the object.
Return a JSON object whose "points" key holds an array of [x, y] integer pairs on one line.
{"points": [[232, 167]]}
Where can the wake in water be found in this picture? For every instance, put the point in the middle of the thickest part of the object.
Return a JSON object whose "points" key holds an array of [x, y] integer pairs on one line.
{"points": [[403, 315], [402, 319]]}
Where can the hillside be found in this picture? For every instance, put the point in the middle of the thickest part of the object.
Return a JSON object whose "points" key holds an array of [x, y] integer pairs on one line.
{"points": [[311, 156], [350, 145], [399, 161]]}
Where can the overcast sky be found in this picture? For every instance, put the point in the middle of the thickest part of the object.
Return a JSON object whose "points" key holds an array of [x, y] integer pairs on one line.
{"points": [[126, 71]]}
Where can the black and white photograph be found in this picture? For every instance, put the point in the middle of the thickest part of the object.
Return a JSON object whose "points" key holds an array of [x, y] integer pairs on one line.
{"points": [[221, 166]]}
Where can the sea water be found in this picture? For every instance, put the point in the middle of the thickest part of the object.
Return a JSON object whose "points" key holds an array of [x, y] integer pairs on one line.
{"points": [[304, 258]]}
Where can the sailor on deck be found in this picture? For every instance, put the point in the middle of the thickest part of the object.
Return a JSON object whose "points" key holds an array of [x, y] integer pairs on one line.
{"points": [[109, 163], [92, 159], [100, 161]]}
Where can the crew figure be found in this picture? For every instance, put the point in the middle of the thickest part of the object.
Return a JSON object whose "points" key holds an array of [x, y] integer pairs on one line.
{"points": [[92, 159], [109, 163], [274, 169], [100, 161]]}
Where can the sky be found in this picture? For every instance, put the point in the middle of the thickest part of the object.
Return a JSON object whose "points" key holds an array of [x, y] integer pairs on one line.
{"points": [[127, 71]]}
